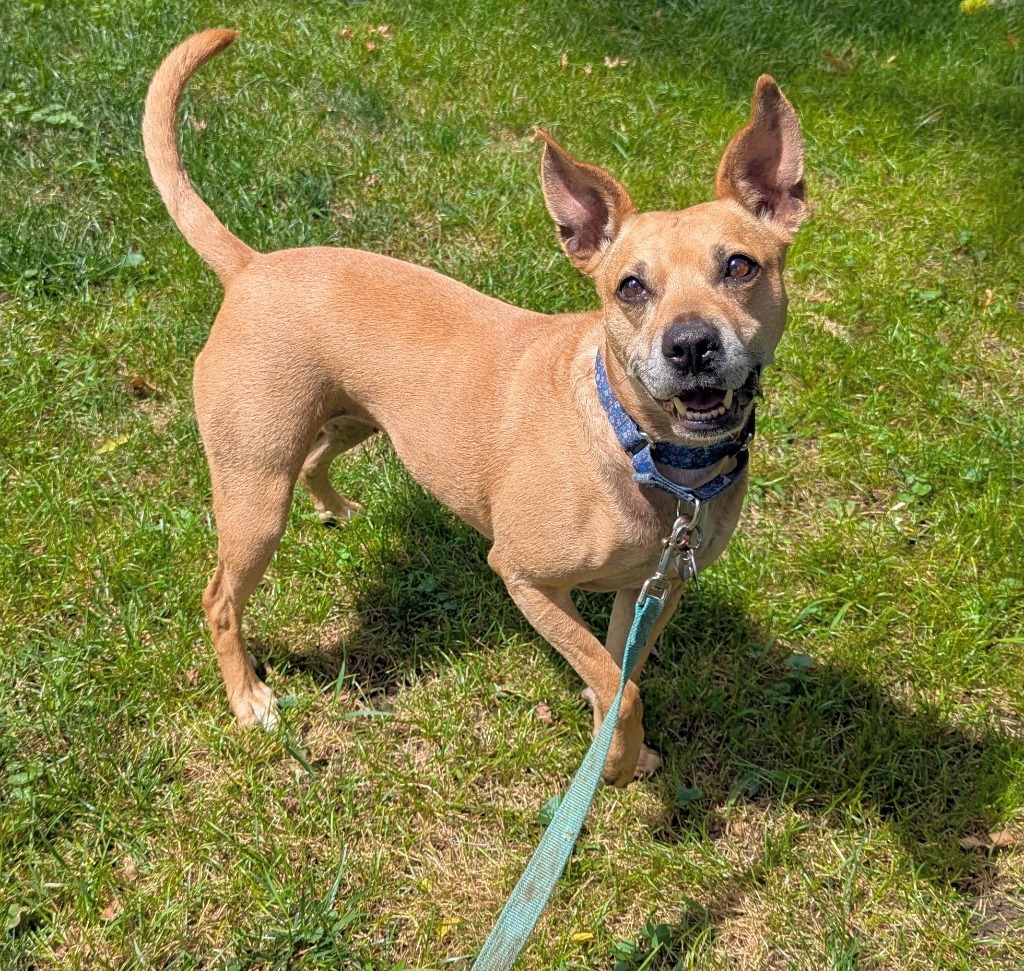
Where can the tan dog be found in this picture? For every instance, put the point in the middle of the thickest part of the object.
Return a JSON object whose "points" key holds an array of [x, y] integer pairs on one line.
{"points": [[492, 408]]}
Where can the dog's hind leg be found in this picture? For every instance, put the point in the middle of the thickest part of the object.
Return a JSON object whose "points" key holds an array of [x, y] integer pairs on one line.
{"points": [[336, 436], [251, 509]]}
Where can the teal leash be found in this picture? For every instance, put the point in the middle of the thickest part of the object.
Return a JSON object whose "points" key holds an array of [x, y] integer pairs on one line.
{"points": [[520, 914]]}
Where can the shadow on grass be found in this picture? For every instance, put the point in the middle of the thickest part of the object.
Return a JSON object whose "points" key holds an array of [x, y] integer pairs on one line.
{"points": [[735, 714], [768, 724], [418, 587], [745, 720]]}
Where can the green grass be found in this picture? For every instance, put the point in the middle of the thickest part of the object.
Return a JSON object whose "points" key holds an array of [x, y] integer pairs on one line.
{"points": [[838, 706]]}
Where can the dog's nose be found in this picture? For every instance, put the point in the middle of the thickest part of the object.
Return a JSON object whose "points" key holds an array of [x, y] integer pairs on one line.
{"points": [[693, 346]]}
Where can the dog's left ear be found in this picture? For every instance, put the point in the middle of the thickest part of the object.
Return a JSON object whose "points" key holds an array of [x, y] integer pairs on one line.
{"points": [[763, 165], [587, 204]]}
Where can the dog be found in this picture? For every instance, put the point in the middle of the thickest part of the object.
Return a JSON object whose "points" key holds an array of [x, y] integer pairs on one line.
{"points": [[494, 409]]}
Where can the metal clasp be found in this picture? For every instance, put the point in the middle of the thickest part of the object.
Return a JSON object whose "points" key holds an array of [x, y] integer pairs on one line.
{"points": [[679, 548], [645, 442]]}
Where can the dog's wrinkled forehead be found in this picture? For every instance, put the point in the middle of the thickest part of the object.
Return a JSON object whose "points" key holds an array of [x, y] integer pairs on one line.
{"points": [[691, 242]]}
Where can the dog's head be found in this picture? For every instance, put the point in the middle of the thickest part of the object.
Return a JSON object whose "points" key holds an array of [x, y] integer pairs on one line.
{"points": [[693, 301]]}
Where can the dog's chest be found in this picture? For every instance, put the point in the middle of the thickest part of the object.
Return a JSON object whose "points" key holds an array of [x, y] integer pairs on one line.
{"points": [[642, 521]]}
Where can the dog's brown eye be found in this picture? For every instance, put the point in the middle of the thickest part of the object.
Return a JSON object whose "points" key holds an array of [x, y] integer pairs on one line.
{"points": [[740, 267], [632, 290]]}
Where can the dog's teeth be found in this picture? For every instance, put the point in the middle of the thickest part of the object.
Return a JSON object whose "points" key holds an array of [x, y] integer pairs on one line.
{"points": [[727, 400], [701, 415]]}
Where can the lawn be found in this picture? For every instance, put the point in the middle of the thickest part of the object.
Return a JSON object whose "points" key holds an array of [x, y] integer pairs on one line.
{"points": [[840, 706]]}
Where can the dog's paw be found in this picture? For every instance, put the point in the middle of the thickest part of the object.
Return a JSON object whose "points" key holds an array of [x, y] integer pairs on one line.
{"points": [[258, 709], [648, 763], [339, 512]]}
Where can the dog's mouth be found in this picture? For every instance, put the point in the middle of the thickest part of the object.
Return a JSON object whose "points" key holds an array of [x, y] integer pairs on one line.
{"points": [[712, 412]]}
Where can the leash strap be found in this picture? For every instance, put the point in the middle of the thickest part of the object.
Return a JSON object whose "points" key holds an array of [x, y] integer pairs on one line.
{"points": [[531, 894], [644, 452]]}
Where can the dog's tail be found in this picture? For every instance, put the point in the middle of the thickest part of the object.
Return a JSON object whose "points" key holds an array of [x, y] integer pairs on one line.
{"points": [[224, 251]]}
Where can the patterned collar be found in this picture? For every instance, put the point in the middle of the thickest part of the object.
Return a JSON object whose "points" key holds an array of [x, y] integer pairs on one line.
{"points": [[644, 451]]}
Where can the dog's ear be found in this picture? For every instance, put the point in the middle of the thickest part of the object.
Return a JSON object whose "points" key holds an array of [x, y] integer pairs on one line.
{"points": [[587, 204], [763, 165]]}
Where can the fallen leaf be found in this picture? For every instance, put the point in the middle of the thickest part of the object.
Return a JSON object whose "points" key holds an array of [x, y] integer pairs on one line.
{"points": [[192, 676], [735, 828], [587, 69], [447, 925], [888, 61], [838, 63], [111, 911], [111, 445], [127, 869], [384, 30], [564, 60], [140, 387], [999, 839], [370, 45], [616, 62], [199, 124], [346, 33], [989, 297], [582, 936], [543, 714]]}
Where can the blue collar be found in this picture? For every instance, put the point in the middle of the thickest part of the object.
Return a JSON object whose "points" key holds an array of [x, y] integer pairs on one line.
{"points": [[644, 452]]}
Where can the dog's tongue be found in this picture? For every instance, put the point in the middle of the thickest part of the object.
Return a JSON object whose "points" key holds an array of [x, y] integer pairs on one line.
{"points": [[703, 399]]}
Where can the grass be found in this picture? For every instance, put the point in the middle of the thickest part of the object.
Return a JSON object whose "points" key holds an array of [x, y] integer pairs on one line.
{"points": [[839, 706]]}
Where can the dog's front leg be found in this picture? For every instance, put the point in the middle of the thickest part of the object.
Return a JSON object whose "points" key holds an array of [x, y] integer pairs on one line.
{"points": [[623, 612], [553, 615]]}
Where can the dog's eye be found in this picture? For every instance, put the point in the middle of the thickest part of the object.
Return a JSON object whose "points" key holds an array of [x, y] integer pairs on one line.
{"points": [[739, 267], [632, 290]]}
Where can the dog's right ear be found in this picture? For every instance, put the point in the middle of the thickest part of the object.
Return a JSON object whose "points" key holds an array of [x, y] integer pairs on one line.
{"points": [[587, 204]]}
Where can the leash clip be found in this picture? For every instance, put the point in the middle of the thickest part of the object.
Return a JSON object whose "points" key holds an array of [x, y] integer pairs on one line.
{"points": [[686, 539], [656, 587], [678, 551]]}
